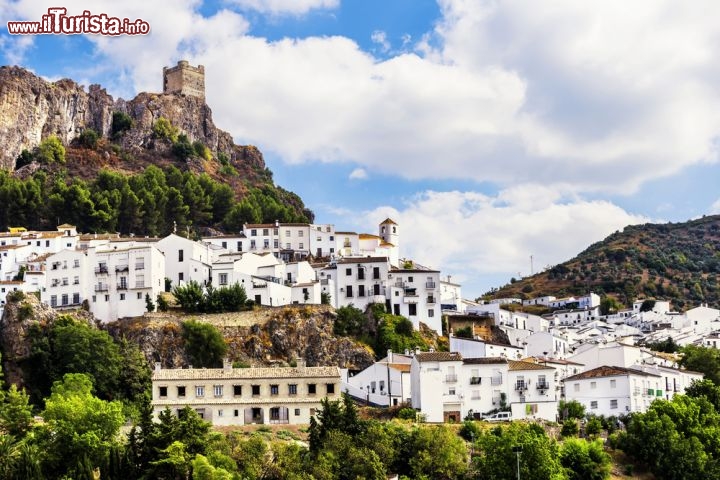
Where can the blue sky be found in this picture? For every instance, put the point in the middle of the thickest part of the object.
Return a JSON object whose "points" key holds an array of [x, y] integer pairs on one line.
{"points": [[490, 130]]}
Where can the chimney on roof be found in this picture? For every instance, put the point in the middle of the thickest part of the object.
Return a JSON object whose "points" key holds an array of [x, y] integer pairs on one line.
{"points": [[227, 364], [158, 366], [389, 355], [300, 362]]}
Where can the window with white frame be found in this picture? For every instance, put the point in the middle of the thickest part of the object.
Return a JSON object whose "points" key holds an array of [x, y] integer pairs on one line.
{"points": [[223, 279], [199, 391], [613, 404], [218, 390], [593, 405]]}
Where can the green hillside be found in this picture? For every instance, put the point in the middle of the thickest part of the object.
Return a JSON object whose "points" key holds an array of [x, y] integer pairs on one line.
{"points": [[674, 261]]}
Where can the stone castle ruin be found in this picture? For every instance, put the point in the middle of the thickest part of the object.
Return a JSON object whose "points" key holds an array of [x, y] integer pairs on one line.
{"points": [[184, 79]]}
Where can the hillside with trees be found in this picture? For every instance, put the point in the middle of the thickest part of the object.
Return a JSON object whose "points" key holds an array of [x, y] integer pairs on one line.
{"points": [[144, 166], [679, 262]]}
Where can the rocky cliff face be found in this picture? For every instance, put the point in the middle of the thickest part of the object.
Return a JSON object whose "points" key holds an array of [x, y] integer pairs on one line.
{"points": [[277, 336], [18, 317], [32, 108]]}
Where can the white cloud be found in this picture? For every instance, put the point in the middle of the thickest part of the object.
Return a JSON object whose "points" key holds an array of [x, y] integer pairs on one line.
{"points": [[476, 236], [579, 98], [380, 38], [358, 174], [279, 7], [715, 207]]}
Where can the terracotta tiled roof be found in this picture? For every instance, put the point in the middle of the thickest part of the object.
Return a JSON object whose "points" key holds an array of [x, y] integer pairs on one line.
{"points": [[369, 236], [260, 225], [519, 365], [558, 361], [606, 371], [240, 373], [484, 360], [388, 220], [438, 357], [12, 247], [401, 367]]}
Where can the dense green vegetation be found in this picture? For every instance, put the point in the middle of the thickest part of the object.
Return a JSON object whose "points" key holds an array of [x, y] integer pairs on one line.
{"points": [[154, 202], [118, 371], [204, 344], [380, 330], [678, 262], [193, 297]]}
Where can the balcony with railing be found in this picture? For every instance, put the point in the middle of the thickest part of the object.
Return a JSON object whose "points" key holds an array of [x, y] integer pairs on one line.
{"points": [[122, 286], [411, 292], [475, 380], [399, 283], [542, 385], [521, 386], [430, 285], [139, 266], [102, 268], [431, 300], [497, 380], [101, 287], [451, 378]]}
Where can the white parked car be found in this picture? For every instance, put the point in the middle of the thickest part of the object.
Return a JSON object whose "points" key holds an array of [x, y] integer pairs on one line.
{"points": [[499, 417]]}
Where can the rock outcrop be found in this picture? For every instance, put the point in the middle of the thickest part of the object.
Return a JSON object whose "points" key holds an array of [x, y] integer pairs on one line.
{"points": [[267, 337], [21, 312], [32, 109], [276, 337]]}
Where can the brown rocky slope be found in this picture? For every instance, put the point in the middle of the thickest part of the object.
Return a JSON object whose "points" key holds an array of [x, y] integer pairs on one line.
{"points": [[264, 337]]}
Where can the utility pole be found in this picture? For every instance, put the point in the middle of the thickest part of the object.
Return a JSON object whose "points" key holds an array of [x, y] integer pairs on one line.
{"points": [[532, 272], [518, 449]]}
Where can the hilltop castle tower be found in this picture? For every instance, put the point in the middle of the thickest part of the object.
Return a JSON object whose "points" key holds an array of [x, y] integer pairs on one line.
{"points": [[184, 79]]}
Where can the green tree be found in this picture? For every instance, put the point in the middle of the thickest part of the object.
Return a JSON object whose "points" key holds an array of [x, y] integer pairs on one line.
{"points": [[51, 150], [149, 305], [89, 138], [121, 122], [204, 344], [538, 460], [438, 453], [702, 359], [348, 321], [71, 346], [78, 427], [202, 469], [162, 128], [677, 439], [325, 298], [571, 409], [609, 305], [585, 460], [16, 413], [190, 296]]}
